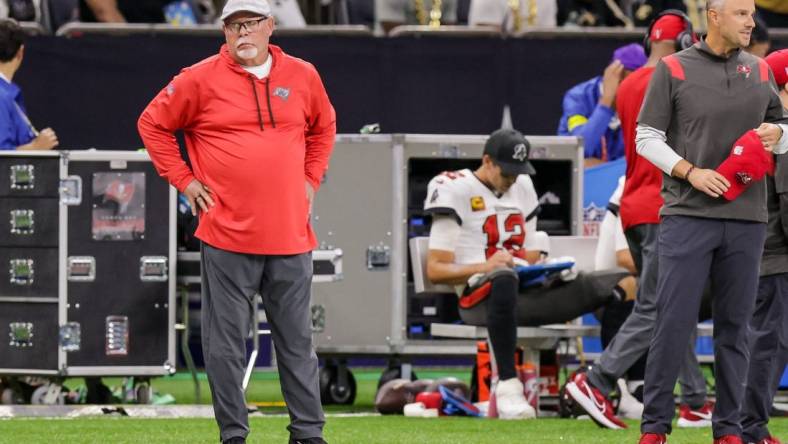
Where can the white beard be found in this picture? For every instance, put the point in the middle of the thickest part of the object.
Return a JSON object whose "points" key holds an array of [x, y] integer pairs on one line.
{"points": [[248, 53]]}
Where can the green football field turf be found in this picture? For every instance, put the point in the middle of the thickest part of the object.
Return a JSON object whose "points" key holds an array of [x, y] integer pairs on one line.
{"points": [[270, 427], [384, 430]]}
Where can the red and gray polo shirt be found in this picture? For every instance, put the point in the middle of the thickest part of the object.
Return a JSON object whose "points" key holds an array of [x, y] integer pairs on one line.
{"points": [[704, 102]]}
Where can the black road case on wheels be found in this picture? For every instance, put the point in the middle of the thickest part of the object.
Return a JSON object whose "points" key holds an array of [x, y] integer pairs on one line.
{"points": [[87, 271]]}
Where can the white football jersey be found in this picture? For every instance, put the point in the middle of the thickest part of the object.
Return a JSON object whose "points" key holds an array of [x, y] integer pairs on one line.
{"points": [[487, 222], [611, 233]]}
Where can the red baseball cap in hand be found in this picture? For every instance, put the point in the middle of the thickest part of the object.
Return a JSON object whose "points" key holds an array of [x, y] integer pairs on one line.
{"points": [[747, 163]]}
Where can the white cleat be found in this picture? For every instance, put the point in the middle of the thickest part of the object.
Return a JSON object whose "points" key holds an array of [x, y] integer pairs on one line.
{"points": [[510, 400], [628, 406], [701, 417]]}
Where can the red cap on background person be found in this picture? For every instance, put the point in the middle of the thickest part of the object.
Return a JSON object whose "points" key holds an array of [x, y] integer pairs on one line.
{"points": [[667, 27], [747, 163], [778, 62]]}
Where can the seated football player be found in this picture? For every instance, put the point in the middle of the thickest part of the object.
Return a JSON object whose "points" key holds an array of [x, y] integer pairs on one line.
{"points": [[484, 224]]}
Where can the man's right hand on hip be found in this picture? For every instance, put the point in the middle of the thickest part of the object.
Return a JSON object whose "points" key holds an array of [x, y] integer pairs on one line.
{"points": [[198, 194]]}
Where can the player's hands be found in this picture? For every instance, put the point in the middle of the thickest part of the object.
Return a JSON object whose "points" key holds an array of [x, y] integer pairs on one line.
{"points": [[199, 194], [770, 135], [612, 77], [310, 197], [46, 140], [501, 258], [709, 181]]}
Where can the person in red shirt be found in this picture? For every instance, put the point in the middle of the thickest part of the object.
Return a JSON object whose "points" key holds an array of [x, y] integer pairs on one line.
{"points": [[639, 211], [259, 130]]}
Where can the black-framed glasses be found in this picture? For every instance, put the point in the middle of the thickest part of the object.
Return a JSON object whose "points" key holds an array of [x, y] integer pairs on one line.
{"points": [[252, 25]]}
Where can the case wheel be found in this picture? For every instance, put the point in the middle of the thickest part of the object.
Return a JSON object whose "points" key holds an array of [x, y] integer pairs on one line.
{"points": [[144, 393], [337, 384], [394, 371], [9, 397], [48, 394]]}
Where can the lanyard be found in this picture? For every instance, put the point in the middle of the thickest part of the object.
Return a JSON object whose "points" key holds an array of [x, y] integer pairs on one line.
{"points": [[26, 119]]}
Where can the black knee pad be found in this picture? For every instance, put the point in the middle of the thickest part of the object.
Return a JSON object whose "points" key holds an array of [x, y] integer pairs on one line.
{"points": [[502, 273], [500, 285], [504, 289]]}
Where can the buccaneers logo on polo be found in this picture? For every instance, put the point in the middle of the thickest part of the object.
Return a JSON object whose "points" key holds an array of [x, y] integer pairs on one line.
{"points": [[282, 93], [744, 69]]}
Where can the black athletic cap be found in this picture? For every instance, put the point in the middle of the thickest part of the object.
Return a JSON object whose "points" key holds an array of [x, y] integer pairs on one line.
{"points": [[509, 149]]}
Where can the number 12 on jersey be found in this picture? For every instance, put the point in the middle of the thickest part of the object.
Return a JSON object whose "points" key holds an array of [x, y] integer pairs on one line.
{"points": [[505, 231]]}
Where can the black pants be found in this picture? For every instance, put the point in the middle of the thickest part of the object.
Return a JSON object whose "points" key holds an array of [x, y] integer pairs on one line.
{"points": [[768, 337], [691, 250], [551, 305], [505, 308]]}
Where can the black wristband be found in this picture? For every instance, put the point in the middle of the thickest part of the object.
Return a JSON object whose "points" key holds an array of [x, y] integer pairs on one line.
{"points": [[686, 176]]}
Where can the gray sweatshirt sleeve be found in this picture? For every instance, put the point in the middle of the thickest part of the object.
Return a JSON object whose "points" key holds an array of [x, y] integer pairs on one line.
{"points": [[657, 109], [782, 144], [776, 113], [650, 143]]}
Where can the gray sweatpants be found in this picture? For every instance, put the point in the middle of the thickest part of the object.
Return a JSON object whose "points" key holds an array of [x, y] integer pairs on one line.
{"points": [[229, 284], [690, 250], [633, 338], [559, 303], [768, 354]]}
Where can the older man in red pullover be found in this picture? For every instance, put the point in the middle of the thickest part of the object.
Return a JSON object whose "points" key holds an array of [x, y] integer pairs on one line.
{"points": [[259, 131]]}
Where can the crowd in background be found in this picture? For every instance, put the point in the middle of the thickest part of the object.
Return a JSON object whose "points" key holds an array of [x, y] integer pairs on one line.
{"points": [[382, 15]]}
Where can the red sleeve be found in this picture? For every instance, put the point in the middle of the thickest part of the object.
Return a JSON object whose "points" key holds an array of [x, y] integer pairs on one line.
{"points": [[321, 132], [174, 108], [628, 106]]}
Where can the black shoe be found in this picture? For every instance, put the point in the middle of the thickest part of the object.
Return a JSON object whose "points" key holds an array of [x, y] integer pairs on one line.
{"points": [[317, 440], [235, 440]]}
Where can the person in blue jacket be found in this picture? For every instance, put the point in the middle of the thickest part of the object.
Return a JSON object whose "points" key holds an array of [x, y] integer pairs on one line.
{"points": [[588, 108], [16, 131]]}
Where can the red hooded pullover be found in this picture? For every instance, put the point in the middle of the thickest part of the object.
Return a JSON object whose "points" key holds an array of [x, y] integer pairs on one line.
{"points": [[253, 142]]}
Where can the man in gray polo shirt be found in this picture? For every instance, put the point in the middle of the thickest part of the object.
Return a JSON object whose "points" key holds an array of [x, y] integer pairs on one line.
{"points": [[769, 323], [699, 102]]}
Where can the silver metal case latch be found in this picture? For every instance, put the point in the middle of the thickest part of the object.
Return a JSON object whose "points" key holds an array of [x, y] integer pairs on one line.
{"points": [[117, 336], [318, 318], [21, 334], [21, 271], [81, 268], [327, 264], [22, 177], [22, 221], [153, 269], [71, 190], [449, 151], [70, 336], [378, 257]]}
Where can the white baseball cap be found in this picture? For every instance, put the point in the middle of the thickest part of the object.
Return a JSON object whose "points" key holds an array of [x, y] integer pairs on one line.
{"points": [[256, 6]]}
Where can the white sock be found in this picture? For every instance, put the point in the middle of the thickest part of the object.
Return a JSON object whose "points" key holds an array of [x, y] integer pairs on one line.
{"points": [[633, 385]]}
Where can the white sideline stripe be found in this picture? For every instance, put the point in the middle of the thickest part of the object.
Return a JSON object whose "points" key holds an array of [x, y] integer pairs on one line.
{"points": [[133, 411]]}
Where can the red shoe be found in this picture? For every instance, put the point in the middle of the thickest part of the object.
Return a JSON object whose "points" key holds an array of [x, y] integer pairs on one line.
{"points": [[769, 440], [593, 402], [695, 418], [653, 438], [728, 439]]}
